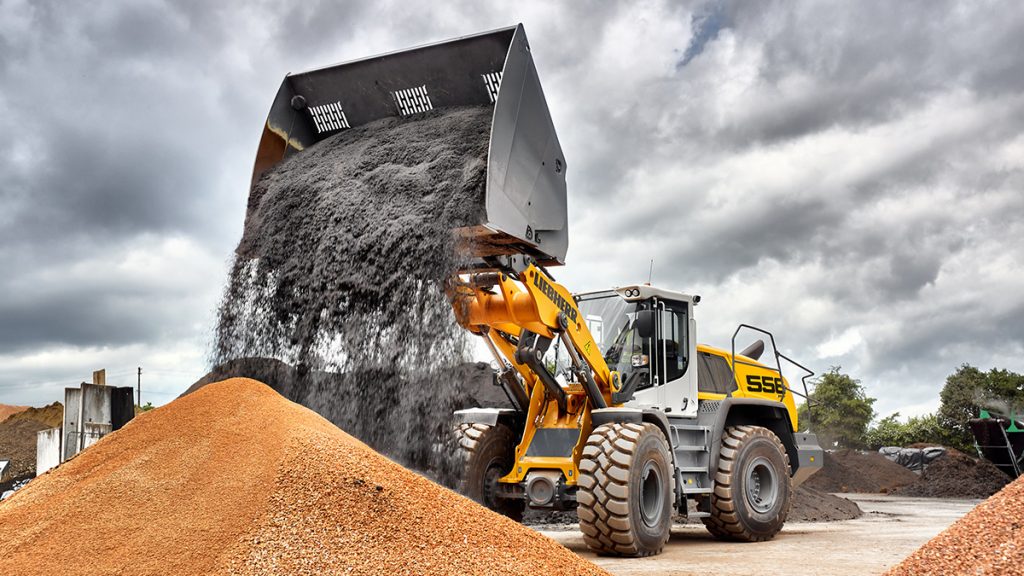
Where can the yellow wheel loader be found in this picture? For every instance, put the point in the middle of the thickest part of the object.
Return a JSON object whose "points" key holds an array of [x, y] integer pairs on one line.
{"points": [[615, 410]]}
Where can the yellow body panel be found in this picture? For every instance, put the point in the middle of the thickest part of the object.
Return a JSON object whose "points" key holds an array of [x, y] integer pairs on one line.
{"points": [[758, 381]]}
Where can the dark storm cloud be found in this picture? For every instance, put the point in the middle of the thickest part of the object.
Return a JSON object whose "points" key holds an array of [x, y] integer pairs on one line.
{"points": [[846, 173]]}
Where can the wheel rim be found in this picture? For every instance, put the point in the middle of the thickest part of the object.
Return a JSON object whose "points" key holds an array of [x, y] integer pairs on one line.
{"points": [[762, 486], [652, 496], [489, 490]]}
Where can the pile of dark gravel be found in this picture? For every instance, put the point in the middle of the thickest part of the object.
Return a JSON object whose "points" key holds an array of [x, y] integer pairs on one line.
{"points": [[957, 475], [340, 273], [864, 472]]}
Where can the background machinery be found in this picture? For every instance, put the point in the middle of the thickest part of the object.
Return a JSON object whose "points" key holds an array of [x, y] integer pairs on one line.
{"points": [[616, 410]]}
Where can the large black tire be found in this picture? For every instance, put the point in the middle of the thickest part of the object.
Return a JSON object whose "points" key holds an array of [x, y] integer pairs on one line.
{"points": [[625, 490], [489, 453], [753, 488]]}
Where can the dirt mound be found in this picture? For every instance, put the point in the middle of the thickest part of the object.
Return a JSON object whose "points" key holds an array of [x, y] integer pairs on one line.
{"points": [[52, 416], [864, 472], [234, 479], [989, 540], [810, 505], [957, 475], [18, 444], [7, 409]]}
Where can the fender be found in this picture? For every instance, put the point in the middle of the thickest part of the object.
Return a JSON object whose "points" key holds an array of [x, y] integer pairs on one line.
{"points": [[488, 416]]}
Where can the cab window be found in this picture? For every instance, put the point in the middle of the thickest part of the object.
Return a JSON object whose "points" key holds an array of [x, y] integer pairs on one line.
{"points": [[672, 340]]}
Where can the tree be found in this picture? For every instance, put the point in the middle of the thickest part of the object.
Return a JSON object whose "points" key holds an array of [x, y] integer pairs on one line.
{"points": [[891, 432], [968, 390], [842, 410]]}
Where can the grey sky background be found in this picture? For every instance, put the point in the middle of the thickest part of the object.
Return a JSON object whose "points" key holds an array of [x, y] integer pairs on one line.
{"points": [[849, 175]]}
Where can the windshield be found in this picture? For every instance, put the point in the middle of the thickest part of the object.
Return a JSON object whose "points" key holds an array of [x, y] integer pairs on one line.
{"points": [[610, 320]]}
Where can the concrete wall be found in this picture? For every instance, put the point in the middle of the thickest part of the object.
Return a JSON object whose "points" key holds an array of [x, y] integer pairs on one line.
{"points": [[48, 449], [72, 442], [96, 404]]}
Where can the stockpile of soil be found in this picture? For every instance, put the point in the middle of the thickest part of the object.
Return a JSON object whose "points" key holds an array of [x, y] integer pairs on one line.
{"points": [[51, 415], [989, 540], [18, 444], [957, 475], [864, 472], [811, 505], [234, 479], [341, 269], [7, 409]]}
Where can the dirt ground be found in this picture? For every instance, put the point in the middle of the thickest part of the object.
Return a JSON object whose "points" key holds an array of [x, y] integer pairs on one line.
{"points": [[892, 527]]}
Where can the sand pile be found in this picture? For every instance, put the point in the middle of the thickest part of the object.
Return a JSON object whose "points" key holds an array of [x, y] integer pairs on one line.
{"points": [[7, 409], [234, 479], [51, 415], [989, 540], [957, 475], [865, 472], [341, 269]]}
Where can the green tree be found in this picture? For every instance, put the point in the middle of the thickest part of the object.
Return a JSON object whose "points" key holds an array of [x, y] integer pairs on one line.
{"points": [[890, 431], [968, 390], [842, 410]]}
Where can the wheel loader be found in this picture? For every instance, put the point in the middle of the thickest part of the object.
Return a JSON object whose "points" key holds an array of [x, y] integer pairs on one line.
{"points": [[615, 410]]}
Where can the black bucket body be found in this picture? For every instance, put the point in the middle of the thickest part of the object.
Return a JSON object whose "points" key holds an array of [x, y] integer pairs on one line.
{"points": [[525, 186]]}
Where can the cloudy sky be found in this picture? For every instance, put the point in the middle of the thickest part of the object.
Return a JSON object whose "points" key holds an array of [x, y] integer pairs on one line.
{"points": [[847, 174]]}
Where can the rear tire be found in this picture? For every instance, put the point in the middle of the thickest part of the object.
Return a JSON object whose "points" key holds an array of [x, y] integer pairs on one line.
{"points": [[625, 490], [489, 454], [753, 488]]}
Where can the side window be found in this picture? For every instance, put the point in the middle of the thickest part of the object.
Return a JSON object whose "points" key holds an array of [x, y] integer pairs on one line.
{"points": [[672, 340]]}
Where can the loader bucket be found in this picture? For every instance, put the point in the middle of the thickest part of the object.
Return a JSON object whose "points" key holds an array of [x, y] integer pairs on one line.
{"points": [[525, 185]]}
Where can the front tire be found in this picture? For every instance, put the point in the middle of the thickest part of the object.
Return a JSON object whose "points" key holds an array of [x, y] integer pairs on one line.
{"points": [[625, 490], [753, 488], [489, 453]]}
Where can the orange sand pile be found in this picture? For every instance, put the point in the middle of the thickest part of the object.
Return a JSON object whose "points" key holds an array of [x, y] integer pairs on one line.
{"points": [[6, 410], [988, 541], [234, 479]]}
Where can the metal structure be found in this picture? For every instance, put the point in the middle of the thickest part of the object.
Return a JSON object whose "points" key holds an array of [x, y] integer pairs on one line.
{"points": [[1000, 440]]}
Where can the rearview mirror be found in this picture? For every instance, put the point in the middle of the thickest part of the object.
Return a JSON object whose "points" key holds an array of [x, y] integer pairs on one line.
{"points": [[645, 323]]}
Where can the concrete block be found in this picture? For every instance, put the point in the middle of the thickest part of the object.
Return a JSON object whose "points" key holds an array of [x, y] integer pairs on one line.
{"points": [[72, 442], [48, 449]]}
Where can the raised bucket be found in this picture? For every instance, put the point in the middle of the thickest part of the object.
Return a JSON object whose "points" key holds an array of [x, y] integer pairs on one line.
{"points": [[525, 190]]}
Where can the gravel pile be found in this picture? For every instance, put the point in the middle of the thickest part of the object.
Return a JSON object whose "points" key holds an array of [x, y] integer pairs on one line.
{"points": [[234, 479], [957, 475], [863, 472], [18, 444], [340, 273], [7, 409], [811, 505], [989, 540], [52, 415]]}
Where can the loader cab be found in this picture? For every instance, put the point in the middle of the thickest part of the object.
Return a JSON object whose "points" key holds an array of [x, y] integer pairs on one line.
{"points": [[649, 334]]}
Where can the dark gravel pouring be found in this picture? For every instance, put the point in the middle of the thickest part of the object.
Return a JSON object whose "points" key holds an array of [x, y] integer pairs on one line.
{"points": [[340, 273]]}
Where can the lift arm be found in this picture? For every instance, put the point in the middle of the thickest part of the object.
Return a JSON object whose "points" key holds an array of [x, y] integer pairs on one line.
{"points": [[520, 317]]}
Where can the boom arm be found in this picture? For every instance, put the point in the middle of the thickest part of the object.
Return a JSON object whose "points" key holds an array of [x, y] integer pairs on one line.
{"points": [[520, 318]]}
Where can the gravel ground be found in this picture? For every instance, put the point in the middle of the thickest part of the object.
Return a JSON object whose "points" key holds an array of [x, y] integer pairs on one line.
{"points": [[890, 529]]}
